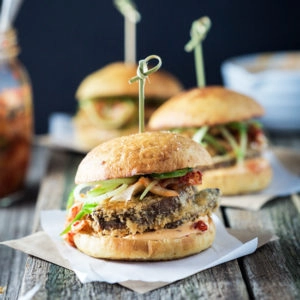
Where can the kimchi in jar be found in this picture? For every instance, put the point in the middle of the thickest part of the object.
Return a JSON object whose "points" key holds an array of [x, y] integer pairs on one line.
{"points": [[16, 119]]}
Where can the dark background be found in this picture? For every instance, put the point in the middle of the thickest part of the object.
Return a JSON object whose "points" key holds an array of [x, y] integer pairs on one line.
{"points": [[62, 41]]}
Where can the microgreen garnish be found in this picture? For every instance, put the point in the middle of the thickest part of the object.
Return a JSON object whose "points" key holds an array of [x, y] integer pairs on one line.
{"points": [[177, 173], [106, 186], [200, 133], [86, 209], [148, 188], [71, 199]]}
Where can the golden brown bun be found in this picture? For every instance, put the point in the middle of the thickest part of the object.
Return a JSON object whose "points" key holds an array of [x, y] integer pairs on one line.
{"points": [[204, 106], [112, 80], [160, 247], [142, 153], [252, 176]]}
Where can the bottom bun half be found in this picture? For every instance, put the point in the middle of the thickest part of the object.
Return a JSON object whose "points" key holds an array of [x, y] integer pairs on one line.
{"points": [[253, 175], [165, 244]]}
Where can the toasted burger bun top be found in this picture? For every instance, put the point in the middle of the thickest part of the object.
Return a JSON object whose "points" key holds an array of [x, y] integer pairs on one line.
{"points": [[141, 153], [112, 80], [204, 106]]}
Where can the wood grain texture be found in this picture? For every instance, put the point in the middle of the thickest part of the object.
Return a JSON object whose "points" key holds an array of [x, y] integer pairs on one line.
{"points": [[57, 282], [273, 269], [16, 221], [270, 273]]}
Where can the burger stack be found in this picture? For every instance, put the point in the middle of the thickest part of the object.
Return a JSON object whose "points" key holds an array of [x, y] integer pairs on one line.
{"points": [[225, 123], [136, 199], [108, 105]]}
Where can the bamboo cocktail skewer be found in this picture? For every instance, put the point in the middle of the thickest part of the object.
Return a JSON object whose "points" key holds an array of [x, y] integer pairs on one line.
{"points": [[198, 33], [142, 75], [131, 17]]}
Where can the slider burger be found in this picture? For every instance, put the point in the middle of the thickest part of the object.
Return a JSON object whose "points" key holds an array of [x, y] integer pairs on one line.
{"points": [[223, 122], [135, 199], [108, 105]]}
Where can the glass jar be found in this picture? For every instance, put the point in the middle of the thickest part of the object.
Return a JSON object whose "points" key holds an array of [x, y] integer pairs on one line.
{"points": [[16, 119]]}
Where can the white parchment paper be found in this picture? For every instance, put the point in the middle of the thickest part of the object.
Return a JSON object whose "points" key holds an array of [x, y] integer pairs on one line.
{"points": [[225, 247]]}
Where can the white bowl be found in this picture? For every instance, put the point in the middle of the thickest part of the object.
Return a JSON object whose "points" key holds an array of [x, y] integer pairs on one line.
{"points": [[273, 79]]}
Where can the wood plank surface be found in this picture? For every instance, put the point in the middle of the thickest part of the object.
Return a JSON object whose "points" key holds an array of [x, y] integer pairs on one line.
{"points": [[16, 221], [59, 283], [274, 269], [270, 273]]}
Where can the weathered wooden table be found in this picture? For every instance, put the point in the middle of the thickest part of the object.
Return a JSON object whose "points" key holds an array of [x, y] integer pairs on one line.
{"points": [[272, 272]]}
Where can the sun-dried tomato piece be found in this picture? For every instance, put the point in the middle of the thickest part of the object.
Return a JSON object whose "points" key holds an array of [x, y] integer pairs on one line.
{"points": [[200, 225]]}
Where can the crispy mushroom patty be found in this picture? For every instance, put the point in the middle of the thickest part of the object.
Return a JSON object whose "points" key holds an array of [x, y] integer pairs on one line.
{"points": [[153, 212]]}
